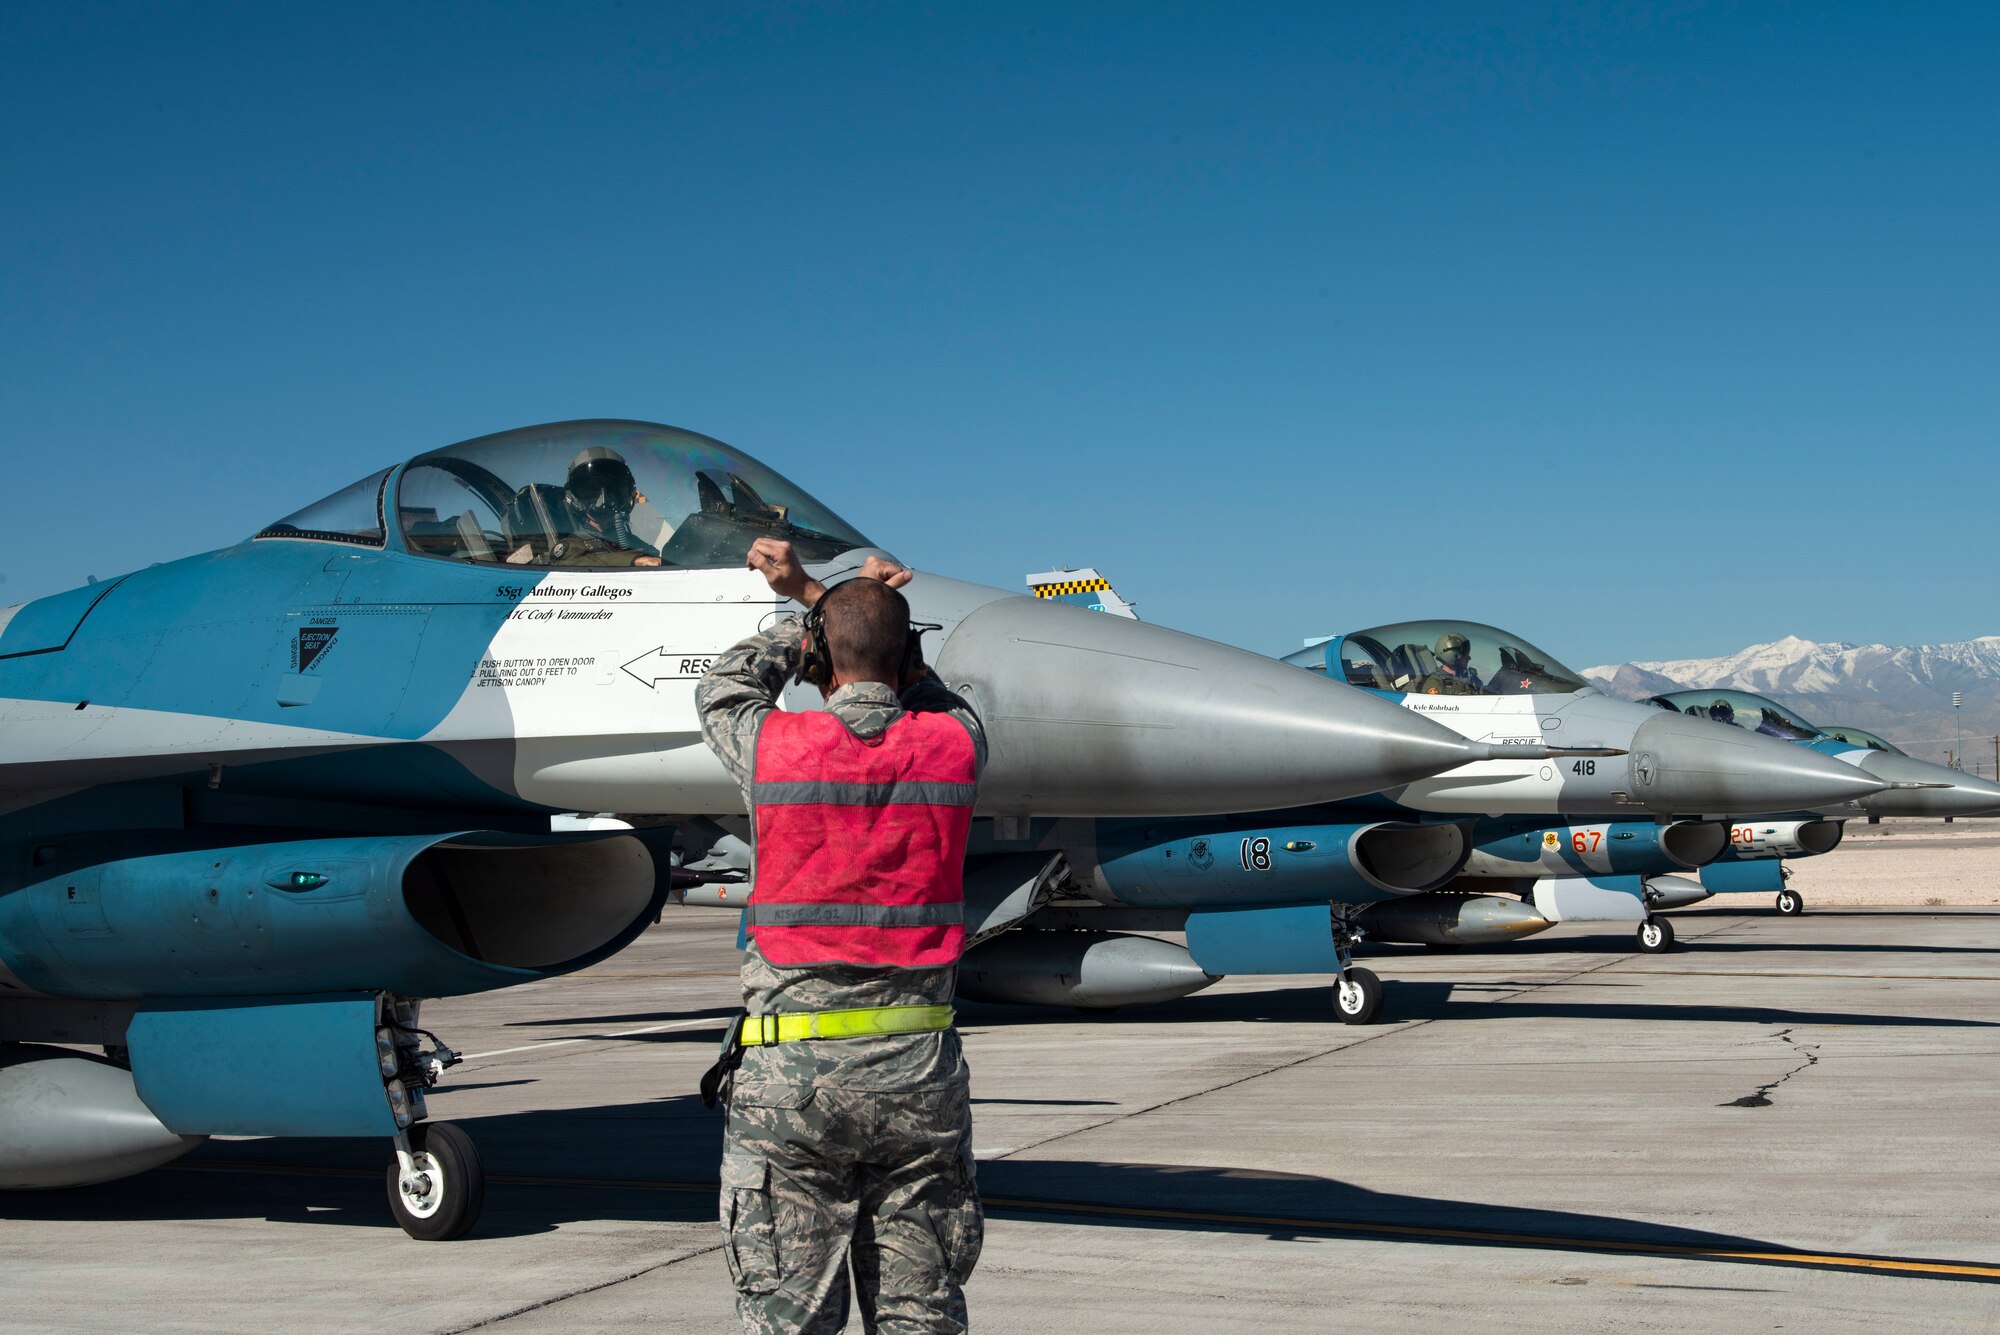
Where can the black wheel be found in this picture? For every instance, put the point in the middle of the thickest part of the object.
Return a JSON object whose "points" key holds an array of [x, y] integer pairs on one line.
{"points": [[1656, 935], [1791, 903], [441, 1199], [1357, 997]]}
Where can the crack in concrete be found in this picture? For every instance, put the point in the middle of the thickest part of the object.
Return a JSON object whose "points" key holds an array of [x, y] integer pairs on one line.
{"points": [[1761, 1096], [551, 1301]]}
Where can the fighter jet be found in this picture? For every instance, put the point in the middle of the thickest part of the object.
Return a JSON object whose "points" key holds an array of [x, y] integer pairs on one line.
{"points": [[255, 803], [1293, 890], [1753, 862]]}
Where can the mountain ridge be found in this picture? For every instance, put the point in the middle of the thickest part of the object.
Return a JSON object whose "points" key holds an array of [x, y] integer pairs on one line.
{"points": [[1902, 692]]}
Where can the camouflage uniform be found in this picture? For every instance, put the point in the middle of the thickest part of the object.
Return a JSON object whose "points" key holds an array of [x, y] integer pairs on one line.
{"points": [[846, 1148]]}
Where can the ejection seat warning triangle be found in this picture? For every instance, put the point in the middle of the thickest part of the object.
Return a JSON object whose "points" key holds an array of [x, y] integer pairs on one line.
{"points": [[313, 642]]}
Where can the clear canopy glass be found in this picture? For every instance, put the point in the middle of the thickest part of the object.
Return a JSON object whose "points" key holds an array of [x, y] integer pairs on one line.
{"points": [[352, 514], [1856, 737], [602, 493], [1752, 713], [1450, 658]]}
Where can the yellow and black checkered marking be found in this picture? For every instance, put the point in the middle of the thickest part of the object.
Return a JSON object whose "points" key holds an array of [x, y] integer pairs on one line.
{"points": [[1069, 586]]}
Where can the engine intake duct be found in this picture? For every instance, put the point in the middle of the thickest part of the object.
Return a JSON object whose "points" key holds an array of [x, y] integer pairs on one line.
{"points": [[1751, 841], [1511, 847], [416, 915], [1260, 861]]}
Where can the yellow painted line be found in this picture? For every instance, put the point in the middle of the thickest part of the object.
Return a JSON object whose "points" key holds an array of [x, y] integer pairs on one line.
{"points": [[1908, 1267]]}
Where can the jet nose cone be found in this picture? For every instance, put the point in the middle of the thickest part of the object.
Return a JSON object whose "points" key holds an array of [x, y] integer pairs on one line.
{"points": [[1966, 795], [1088, 714], [1692, 766]]}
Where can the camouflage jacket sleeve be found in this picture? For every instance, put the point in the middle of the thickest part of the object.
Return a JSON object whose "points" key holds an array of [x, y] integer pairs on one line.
{"points": [[932, 696], [743, 686]]}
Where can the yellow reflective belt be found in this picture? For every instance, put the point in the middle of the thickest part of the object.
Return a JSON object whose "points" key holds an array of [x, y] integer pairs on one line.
{"points": [[789, 1028]]}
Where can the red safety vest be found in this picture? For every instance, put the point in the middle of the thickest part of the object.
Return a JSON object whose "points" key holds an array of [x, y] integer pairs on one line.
{"points": [[861, 844]]}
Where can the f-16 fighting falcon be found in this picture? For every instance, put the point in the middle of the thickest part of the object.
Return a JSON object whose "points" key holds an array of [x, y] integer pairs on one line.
{"points": [[1754, 859], [256, 803], [1292, 890]]}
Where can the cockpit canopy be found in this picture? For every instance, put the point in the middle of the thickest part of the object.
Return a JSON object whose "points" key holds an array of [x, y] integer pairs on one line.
{"points": [[604, 493], [1752, 713], [1449, 658], [1856, 737]]}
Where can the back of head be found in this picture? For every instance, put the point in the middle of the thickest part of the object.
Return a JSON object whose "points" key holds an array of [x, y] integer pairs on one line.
{"points": [[867, 626]]}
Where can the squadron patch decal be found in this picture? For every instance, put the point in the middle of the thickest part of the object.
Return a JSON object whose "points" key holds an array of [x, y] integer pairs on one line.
{"points": [[1199, 856]]}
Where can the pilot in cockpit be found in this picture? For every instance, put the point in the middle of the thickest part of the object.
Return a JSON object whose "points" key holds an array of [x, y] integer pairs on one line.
{"points": [[1454, 661], [591, 522]]}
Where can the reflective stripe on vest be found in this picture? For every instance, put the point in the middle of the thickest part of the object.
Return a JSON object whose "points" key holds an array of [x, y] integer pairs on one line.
{"points": [[860, 844], [851, 915], [863, 794]]}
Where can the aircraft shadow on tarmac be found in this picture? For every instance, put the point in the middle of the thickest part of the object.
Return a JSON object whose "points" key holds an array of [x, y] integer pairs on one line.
{"points": [[1691, 948], [656, 1162], [1474, 999]]}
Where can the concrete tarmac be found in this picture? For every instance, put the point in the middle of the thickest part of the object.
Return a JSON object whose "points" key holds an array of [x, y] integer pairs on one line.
{"points": [[1783, 1124]]}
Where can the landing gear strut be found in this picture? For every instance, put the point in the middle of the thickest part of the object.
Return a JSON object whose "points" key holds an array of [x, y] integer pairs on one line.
{"points": [[1656, 934], [436, 1182], [1791, 903], [1357, 995]]}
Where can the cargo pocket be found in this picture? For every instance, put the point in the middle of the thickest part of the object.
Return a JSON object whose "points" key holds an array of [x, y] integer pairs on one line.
{"points": [[960, 1224], [761, 1114], [750, 1238]]}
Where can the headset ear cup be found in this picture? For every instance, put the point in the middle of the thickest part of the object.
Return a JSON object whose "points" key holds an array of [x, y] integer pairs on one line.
{"points": [[815, 661]]}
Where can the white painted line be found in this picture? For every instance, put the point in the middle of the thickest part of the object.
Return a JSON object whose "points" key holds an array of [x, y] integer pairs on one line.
{"points": [[600, 1038]]}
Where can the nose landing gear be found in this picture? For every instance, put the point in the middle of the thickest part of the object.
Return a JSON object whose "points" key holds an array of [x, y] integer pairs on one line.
{"points": [[1791, 903], [1357, 995], [436, 1182], [1656, 935]]}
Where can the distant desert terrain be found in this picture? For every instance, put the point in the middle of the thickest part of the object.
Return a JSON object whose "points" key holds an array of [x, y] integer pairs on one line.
{"points": [[1903, 862]]}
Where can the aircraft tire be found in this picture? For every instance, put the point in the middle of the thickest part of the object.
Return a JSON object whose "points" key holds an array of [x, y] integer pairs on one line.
{"points": [[1357, 997], [457, 1184], [1656, 935], [1791, 903]]}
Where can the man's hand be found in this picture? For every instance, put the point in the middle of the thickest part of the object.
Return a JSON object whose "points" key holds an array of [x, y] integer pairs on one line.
{"points": [[888, 572], [774, 560]]}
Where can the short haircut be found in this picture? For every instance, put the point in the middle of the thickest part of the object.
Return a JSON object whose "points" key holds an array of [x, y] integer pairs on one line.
{"points": [[867, 627]]}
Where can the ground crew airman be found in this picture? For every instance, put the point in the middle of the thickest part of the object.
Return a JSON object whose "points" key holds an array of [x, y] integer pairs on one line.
{"points": [[849, 1135]]}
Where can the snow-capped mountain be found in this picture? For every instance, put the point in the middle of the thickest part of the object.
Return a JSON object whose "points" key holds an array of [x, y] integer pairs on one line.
{"points": [[1902, 693]]}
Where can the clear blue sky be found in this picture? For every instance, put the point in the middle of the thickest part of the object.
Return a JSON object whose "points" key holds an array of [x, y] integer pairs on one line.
{"points": [[1644, 330]]}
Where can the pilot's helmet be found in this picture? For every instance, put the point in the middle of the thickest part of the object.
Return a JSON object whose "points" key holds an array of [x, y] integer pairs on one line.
{"points": [[601, 484], [1722, 712], [1454, 648]]}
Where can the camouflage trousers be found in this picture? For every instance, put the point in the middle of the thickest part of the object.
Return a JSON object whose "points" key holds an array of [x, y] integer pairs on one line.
{"points": [[815, 1176]]}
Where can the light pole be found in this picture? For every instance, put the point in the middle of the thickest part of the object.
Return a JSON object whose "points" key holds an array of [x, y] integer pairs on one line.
{"points": [[1957, 699]]}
